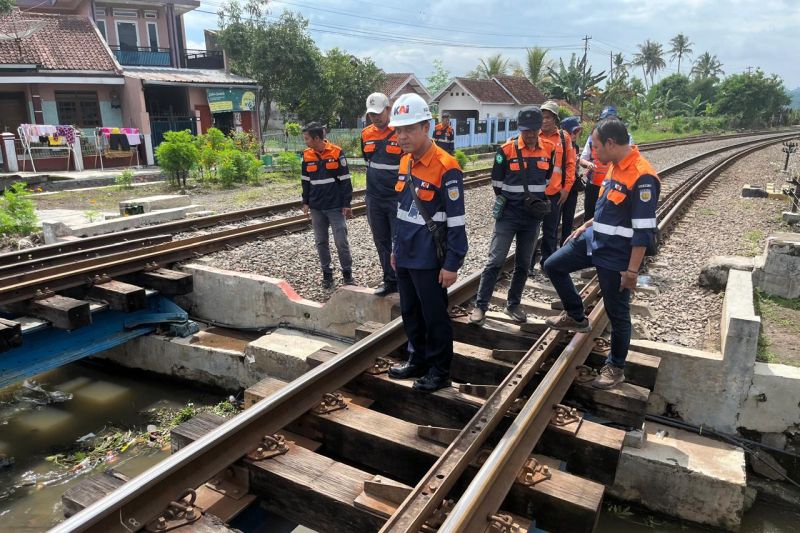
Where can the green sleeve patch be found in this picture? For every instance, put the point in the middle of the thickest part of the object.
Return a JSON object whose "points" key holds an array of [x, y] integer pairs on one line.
{"points": [[499, 158]]}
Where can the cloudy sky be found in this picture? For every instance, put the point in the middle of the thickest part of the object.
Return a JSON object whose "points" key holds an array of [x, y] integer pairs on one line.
{"points": [[407, 36]]}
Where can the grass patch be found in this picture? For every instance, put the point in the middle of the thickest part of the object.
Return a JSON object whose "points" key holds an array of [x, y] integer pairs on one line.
{"points": [[707, 212], [752, 242], [775, 311]]}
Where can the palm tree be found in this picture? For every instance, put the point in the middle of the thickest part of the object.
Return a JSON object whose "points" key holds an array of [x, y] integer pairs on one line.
{"points": [[492, 66], [650, 58], [536, 65], [707, 66], [680, 47], [619, 68]]}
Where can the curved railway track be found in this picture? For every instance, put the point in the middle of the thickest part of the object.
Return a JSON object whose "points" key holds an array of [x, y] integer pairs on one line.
{"points": [[552, 361]]}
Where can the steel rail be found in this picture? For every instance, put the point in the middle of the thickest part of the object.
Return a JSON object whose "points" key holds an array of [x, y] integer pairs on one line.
{"points": [[143, 498], [89, 244], [178, 226], [485, 494]]}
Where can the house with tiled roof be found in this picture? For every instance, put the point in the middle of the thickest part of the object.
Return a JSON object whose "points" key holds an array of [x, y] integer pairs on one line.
{"points": [[116, 64], [400, 83], [500, 97]]}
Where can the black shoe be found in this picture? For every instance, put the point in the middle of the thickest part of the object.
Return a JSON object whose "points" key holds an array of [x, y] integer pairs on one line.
{"points": [[347, 278], [327, 281], [430, 383], [407, 370], [385, 290]]}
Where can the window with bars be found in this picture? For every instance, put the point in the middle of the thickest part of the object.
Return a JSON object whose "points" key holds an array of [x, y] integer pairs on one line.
{"points": [[78, 108]]}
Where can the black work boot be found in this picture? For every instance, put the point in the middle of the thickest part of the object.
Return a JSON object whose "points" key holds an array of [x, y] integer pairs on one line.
{"points": [[431, 383], [407, 370], [347, 278], [327, 280], [386, 289]]}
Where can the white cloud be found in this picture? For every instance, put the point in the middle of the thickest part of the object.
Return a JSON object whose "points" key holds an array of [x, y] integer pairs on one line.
{"points": [[740, 32]]}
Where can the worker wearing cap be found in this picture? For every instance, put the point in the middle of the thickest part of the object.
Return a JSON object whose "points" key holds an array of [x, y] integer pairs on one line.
{"points": [[561, 179], [615, 242], [596, 168], [571, 125], [327, 193], [429, 245], [522, 168], [382, 156], [443, 134]]}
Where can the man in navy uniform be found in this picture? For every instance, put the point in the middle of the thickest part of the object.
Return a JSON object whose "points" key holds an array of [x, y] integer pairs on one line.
{"points": [[443, 134], [614, 242], [382, 155], [327, 193], [427, 256]]}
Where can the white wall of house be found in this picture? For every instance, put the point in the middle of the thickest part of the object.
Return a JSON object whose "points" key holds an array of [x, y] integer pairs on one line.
{"points": [[457, 102]]}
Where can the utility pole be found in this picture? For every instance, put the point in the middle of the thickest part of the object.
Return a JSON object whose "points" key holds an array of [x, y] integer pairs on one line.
{"points": [[585, 60], [611, 64], [749, 70]]}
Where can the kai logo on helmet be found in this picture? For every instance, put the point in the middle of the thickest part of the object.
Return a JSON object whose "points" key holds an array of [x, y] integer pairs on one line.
{"points": [[402, 110]]}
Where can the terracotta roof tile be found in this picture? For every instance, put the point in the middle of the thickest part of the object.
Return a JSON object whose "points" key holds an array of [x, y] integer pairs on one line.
{"points": [[65, 42], [487, 91], [522, 89], [394, 81]]}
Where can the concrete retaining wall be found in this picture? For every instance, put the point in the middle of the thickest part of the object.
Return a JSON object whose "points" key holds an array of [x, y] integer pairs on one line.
{"points": [[778, 270], [773, 401], [251, 301]]}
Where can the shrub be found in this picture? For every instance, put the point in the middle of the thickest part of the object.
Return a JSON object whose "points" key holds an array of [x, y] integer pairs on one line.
{"points": [[237, 166], [462, 159], [246, 142], [125, 180], [288, 163], [292, 129], [177, 155], [17, 212]]}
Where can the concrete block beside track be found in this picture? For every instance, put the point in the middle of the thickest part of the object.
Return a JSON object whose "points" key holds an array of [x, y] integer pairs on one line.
{"points": [[684, 475], [154, 203], [254, 301], [56, 231], [778, 269]]}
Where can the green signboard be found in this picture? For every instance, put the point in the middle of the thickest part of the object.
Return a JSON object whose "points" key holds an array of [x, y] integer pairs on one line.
{"points": [[227, 100]]}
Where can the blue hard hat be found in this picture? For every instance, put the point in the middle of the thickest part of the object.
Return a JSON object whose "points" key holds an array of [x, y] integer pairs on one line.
{"points": [[609, 111], [570, 124]]}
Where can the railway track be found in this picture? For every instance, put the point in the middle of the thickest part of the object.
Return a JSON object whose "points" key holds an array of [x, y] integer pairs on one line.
{"points": [[391, 458], [71, 252], [61, 266]]}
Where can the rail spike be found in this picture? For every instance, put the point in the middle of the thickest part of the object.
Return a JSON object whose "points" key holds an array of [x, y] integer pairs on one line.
{"points": [[533, 472], [381, 366], [331, 401], [502, 523], [272, 446]]}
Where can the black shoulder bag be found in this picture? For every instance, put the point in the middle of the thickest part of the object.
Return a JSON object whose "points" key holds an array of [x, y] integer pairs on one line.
{"points": [[534, 206], [438, 231]]}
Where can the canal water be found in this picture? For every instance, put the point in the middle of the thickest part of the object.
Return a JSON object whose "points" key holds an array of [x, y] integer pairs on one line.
{"points": [[42, 422], [46, 420]]}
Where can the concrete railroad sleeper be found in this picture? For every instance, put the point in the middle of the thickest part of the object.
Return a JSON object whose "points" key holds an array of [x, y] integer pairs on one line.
{"points": [[141, 500], [63, 252], [31, 284]]}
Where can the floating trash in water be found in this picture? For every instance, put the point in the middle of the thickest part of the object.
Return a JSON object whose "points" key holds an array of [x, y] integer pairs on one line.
{"points": [[86, 437], [32, 392]]}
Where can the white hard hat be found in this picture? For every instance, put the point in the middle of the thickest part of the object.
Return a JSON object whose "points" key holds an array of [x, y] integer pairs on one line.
{"points": [[409, 109], [377, 102]]}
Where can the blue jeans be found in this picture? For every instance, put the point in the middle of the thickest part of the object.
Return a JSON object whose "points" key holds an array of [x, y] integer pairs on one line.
{"points": [[525, 229], [381, 216], [321, 220], [423, 305], [573, 257]]}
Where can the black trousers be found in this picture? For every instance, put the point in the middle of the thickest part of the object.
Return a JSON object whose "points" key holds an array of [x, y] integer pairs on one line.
{"points": [[423, 305], [589, 200], [568, 214]]}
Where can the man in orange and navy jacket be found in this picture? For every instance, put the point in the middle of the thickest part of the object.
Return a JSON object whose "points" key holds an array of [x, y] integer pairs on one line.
{"points": [[426, 269], [444, 136], [522, 162], [614, 242], [382, 156], [327, 193], [561, 180]]}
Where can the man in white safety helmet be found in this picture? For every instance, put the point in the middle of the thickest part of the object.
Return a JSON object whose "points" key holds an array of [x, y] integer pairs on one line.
{"points": [[429, 245]]}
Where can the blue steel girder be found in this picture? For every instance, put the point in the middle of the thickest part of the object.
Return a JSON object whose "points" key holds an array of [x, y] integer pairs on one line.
{"points": [[49, 348]]}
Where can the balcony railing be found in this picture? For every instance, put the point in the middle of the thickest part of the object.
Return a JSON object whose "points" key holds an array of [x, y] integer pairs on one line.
{"points": [[143, 56], [203, 59]]}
